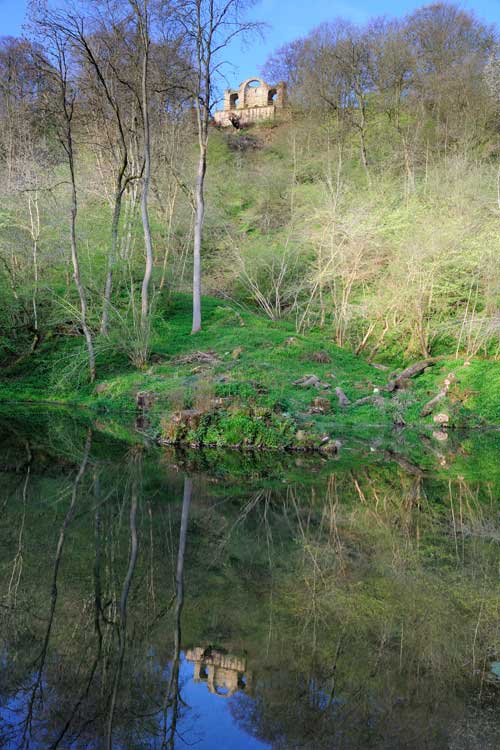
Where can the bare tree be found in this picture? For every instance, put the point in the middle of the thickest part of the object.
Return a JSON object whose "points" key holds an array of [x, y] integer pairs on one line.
{"points": [[56, 66], [391, 73], [101, 51], [141, 11], [451, 48], [353, 58], [210, 25]]}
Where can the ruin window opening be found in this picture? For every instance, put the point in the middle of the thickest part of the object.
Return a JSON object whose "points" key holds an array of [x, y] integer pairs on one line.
{"points": [[233, 101], [271, 97], [203, 673]]}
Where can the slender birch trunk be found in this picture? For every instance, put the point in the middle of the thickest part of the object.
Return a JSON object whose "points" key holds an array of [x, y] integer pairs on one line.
{"points": [[74, 250], [146, 182], [198, 229], [34, 213]]}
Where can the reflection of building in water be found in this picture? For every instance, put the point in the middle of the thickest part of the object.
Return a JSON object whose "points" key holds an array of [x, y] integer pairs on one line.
{"points": [[224, 674]]}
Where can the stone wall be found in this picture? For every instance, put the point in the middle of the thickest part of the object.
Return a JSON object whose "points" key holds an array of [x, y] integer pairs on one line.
{"points": [[247, 116], [251, 103]]}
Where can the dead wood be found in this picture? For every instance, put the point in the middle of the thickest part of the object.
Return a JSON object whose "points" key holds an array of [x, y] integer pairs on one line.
{"points": [[205, 358], [343, 400], [377, 400], [429, 407], [311, 381], [410, 372]]}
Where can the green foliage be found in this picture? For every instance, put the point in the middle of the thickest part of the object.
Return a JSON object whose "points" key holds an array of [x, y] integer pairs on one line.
{"points": [[260, 430], [294, 230], [270, 358]]}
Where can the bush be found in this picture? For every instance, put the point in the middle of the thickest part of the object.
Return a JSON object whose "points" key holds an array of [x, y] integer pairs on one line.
{"points": [[258, 428]]}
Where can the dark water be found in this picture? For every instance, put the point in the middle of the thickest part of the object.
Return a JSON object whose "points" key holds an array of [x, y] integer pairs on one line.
{"points": [[153, 599]]}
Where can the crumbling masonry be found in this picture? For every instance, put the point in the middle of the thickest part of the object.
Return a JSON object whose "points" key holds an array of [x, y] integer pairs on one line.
{"points": [[254, 100], [225, 674]]}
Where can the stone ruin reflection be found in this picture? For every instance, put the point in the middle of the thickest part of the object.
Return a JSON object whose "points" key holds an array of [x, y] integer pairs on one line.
{"points": [[225, 674]]}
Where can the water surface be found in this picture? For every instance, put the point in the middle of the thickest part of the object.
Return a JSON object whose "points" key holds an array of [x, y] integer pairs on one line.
{"points": [[154, 599]]}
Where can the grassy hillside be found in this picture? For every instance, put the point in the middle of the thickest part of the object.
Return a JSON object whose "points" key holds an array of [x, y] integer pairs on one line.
{"points": [[362, 227], [241, 388]]}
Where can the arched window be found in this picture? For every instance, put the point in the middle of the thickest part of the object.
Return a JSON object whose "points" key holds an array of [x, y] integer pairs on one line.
{"points": [[233, 101], [271, 97]]}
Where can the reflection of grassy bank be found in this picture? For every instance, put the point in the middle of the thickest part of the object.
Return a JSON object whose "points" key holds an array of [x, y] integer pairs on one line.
{"points": [[245, 391], [464, 455], [348, 579], [388, 607]]}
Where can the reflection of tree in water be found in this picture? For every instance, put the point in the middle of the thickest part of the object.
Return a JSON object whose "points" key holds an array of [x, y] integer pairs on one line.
{"points": [[376, 643], [36, 691], [173, 700], [122, 627], [72, 686], [291, 712], [366, 601]]}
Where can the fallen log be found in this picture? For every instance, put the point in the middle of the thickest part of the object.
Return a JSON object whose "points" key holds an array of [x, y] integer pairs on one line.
{"points": [[377, 400], [311, 381], [429, 407], [410, 372]]}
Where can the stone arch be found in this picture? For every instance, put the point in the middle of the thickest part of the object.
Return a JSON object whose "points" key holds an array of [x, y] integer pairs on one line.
{"points": [[253, 79], [234, 99], [253, 95]]}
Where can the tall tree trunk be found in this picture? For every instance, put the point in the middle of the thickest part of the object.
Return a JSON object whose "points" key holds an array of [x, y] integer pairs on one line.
{"points": [[74, 255], [145, 187], [213, 25], [34, 213], [362, 132], [198, 228]]}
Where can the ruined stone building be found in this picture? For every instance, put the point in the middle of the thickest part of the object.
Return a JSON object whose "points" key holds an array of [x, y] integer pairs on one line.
{"points": [[224, 674], [254, 100]]}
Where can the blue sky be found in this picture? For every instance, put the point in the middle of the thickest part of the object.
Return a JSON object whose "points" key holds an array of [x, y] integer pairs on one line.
{"points": [[287, 19]]}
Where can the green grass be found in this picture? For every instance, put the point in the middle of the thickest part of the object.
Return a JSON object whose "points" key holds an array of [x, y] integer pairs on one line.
{"points": [[261, 406]]}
